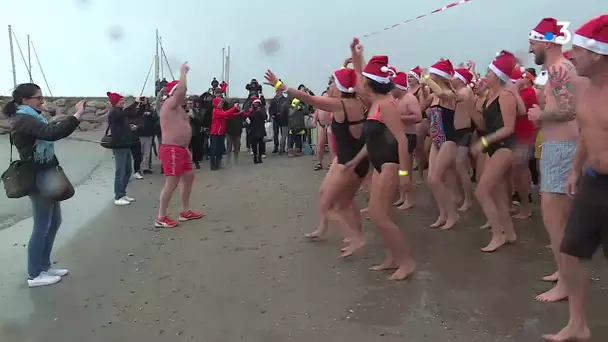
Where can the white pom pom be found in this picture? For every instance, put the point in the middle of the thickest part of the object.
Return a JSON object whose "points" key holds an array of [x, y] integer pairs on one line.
{"points": [[350, 90], [497, 54], [522, 69], [591, 43], [385, 69]]}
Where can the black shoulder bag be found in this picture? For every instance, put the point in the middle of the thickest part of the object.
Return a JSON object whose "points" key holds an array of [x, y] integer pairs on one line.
{"points": [[106, 140], [19, 179]]}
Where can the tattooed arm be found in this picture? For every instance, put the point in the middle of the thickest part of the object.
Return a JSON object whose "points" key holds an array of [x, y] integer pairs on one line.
{"points": [[561, 77]]}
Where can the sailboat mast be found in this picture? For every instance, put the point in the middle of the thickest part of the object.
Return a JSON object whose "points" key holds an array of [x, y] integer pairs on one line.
{"points": [[228, 72], [223, 64], [10, 39], [29, 57]]}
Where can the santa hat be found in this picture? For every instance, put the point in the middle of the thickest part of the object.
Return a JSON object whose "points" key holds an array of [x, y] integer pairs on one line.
{"points": [[170, 87], [546, 31], [400, 81], [377, 70], [503, 65], [114, 97], [443, 68], [393, 71], [464, 75], [593, 35], [256, 100], [345, 80], [216, 102], [416, 72], [517, 73]]}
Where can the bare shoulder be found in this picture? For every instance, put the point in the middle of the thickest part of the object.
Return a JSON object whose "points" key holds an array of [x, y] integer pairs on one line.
{"points": [[562, 74]]}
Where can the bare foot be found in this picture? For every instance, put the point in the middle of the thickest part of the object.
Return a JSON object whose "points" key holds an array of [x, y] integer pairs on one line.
{"points": [[495, 243], [523, 215], [440, 222], [510, 239], [316, 235], [570, 333], [485, 226], [405, 206], [398, 202], [466, 205], [403, 271], [354, 246], [365, 212], [551, 278], [556, 294], [513, 209], [449, 223], [346, 241], [386, 265]]}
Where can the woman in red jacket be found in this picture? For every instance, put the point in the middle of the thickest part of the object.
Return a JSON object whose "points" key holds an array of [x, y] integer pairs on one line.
{"points": [[218, 131]]}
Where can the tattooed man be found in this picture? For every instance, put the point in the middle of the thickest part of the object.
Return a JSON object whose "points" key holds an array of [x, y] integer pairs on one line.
{"points": [[560, 138]]}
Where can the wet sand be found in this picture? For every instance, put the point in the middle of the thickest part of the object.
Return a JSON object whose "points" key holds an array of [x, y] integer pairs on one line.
{"points": [[245, 273]]}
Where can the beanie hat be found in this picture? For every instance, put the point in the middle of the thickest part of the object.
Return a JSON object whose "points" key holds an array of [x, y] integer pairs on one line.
{"points": [[114, 97]]}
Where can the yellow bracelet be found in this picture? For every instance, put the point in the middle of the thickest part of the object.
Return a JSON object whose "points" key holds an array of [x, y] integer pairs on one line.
{"points": [[277, 85], [403, 173], [484, 142], [426, 76]]}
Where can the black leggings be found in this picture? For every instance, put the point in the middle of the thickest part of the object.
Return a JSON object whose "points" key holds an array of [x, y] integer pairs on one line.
{"points": [[136, 152], [296, 140], [258, 146], [196, 146]]}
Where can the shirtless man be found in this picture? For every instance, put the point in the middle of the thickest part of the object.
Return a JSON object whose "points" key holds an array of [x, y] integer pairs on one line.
{"points": [[586, 228], [174, 155], [560, 139], [465, 112], [322, 119], [410, 116]]}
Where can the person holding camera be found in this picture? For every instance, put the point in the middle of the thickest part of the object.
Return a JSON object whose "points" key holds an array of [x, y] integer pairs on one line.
{"points": [[146, 120], [34, 138]]}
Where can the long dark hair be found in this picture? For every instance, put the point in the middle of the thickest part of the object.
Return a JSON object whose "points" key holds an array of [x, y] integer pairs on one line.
{"points": [[22, 92]]}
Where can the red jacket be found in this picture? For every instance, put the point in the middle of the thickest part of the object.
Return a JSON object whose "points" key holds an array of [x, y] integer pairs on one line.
{"points": [[524, 128], [218, 120]]}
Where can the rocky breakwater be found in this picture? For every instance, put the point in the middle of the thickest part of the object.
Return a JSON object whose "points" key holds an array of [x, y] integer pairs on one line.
{"points": [[94, 117]]}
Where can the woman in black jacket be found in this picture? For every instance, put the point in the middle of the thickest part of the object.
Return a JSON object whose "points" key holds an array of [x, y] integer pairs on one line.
{"points": [[34, 137], [257, 131]]}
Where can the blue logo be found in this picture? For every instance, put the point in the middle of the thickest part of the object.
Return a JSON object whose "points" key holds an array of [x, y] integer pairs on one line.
{"points": [[549, 36]]}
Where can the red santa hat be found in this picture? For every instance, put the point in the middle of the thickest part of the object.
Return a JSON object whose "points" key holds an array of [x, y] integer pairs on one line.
{"points": [[464, 75], [114, 98], [256, 99], [503, 65], [546, 31], [377, 70], [345, 80], [443, 68], [400, 81], [393, 71], [170, 87], [593, 35], [518, 73], [416, 72]]}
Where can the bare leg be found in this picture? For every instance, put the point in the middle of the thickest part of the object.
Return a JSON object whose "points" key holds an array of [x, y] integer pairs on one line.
{"points": [[433, 177], [421, 154], [321, 136], [522, 181], [171, 183], [463, 167], [186, 189], [575, 278], [322, 227], [555, 209], [391, 235], [443, 162]]}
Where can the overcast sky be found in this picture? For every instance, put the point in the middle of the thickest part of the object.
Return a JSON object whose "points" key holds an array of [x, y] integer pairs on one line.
{"points": [[79, 57]]}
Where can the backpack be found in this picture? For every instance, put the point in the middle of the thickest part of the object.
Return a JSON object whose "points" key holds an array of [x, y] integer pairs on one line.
{"points": [[296, 119]]}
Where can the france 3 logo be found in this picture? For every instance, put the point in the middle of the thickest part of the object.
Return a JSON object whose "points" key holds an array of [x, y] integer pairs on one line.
{"points": [[565, 35]]}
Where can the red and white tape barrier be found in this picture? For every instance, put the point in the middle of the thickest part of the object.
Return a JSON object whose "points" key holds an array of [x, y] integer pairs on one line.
{"points": [[453, 4]]}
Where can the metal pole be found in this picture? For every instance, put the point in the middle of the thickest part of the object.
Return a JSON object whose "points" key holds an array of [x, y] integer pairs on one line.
{"points": [[156, 62], [29, 57], [10, 39], [162, 67], [228, 72], [223, 64]]}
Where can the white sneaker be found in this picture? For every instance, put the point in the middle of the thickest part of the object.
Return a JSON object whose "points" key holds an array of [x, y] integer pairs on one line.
{"points": [[263, 156], [43, 279], [251, 153], [128, 198], [138, 175], [59, 272], [121, 202]]}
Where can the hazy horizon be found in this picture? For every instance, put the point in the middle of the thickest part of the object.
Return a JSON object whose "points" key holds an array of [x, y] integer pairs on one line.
{"points": [[80, 58]]}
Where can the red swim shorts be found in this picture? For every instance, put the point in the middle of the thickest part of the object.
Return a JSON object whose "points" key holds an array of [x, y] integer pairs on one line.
{"points": [[176, 160]]}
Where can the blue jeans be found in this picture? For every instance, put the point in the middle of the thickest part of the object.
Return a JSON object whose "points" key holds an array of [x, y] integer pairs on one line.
{"points": [[47, 219], [218, 146], [122, 172]]}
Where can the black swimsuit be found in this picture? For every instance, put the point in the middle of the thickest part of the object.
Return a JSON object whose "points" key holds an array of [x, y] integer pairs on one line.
{"points": [[382, 147], [492, 115], [347, 146]]}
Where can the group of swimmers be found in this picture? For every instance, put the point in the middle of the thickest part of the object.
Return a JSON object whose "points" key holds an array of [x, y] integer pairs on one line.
{"points": [[382, 117]]}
